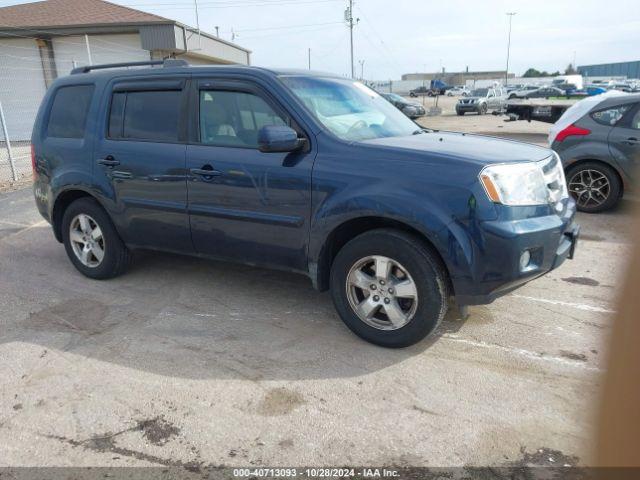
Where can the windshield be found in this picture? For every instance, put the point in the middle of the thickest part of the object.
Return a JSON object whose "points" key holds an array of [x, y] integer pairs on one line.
{"points": [[480, 92], [396, 97], [349, 109]]}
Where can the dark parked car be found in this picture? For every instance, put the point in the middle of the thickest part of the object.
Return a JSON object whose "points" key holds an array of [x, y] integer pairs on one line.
{"points": [[304, 172], [410, 109], [545, 92], [600, 151]]}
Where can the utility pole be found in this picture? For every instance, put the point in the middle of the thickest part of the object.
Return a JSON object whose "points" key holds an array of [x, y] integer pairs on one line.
{"points": [[217, 31], [309, 58], [86, 42], [348, 16], [198, 25], [506, 74], [361, 62]]}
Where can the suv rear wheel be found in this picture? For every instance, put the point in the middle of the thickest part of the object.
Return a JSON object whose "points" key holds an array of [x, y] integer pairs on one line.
{"points": [[91, 241], [388, 288], [595, 186]]}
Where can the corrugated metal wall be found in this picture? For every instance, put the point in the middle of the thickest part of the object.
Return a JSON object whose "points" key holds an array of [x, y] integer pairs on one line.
{"points": [[112, 48], [621, 69]]}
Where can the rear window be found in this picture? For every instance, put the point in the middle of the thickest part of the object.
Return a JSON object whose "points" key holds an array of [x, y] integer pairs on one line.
{"points": [[151, 115], [68, 116], [610, 116]]}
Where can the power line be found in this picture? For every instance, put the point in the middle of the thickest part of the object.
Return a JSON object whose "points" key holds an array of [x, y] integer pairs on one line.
{"points": [[262, 3]]}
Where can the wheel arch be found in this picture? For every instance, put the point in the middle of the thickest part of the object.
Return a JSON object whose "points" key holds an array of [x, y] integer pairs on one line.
{"points": [[348, 230], [61, 203]]}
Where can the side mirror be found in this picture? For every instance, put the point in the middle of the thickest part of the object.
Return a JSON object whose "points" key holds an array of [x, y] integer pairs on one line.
{"points": [[276, 138]]}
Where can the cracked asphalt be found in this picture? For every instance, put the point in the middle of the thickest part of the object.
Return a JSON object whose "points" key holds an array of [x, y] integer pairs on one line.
{"points": [[184, 362]]}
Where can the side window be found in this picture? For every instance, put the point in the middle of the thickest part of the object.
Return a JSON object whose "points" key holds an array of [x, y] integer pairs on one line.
{"points": [[68, 116], [146, 115], [116, 115], [234, 119], [635, 121], [610, 116]]}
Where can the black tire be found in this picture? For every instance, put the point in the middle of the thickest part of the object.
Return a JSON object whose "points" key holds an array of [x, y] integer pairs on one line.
{"points": [[424, 267], [117, 256], [615, 186], [459, 113], [411, 94], [482, 109]]}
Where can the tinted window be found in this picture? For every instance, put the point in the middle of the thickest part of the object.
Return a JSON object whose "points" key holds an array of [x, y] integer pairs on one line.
{"points": [[610, 116], [149, 115], [635, 121], [69, 111], [116, 115], [234, 118]]}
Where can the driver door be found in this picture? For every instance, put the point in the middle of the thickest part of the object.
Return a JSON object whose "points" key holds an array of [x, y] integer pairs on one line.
{"points": [[253, 207]]}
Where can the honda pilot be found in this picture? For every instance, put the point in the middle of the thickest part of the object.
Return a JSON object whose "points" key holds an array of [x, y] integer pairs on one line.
{"points": [[300, 171]]}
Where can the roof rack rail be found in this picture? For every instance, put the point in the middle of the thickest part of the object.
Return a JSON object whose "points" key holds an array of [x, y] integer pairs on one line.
{"points": [[169, 62]]}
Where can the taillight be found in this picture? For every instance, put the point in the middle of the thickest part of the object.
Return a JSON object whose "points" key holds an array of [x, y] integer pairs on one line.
{"points": [[572, 131]]}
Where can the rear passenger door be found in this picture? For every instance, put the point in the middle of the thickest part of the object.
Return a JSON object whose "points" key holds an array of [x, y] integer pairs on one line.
{"points": [[140, 161], [254, 207], [624, 140]]}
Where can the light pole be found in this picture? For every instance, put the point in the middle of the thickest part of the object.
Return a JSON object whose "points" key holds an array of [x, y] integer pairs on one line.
{"points": [[506, 74], [348, 16]]}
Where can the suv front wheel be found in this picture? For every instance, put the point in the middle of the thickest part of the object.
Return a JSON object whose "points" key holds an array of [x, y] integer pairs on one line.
{"points": [[91, 241], [389, 288]]}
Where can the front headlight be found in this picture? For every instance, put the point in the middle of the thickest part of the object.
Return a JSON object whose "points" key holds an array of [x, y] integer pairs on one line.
{"points": [[515, 184]]}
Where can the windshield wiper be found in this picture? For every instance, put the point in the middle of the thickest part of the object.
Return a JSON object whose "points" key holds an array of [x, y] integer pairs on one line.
{"points": [[418, 132]]}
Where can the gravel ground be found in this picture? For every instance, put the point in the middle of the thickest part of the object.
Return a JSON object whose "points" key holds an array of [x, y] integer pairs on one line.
{"points": [[186, 362]]}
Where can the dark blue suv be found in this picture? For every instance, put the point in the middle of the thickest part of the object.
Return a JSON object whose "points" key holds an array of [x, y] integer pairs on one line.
{"points": [[304, 172]]}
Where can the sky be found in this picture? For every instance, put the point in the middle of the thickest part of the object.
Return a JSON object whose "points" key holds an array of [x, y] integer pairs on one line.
{"points": [[403, 36]]}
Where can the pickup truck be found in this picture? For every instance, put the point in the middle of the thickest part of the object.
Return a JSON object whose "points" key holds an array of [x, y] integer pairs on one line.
{"points": [[306, 172], [436, 87]]}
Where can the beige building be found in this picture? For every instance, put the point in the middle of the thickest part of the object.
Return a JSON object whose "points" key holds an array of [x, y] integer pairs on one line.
{"points": [[41, 41]]}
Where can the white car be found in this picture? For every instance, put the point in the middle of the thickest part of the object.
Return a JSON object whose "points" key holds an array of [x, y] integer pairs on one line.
{"points": [[522, 93], [458, 91]]}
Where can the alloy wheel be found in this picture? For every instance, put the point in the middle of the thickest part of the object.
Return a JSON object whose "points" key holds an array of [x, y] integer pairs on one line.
{"points": [[381, 292], [87, 240], [590, 188]]}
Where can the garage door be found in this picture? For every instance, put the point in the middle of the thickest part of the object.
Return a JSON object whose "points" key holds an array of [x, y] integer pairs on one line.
{"points": [[21, 85]]}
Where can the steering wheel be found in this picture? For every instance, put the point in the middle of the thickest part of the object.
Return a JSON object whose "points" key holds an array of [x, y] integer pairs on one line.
{"points": [[357, 126]]}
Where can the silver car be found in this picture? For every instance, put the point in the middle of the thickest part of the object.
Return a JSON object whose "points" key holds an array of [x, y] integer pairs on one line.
{"points": [[600, 152], [481, 100]]}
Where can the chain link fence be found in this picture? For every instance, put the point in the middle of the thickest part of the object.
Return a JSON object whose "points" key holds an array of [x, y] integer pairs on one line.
{"points": [[22, 88]]}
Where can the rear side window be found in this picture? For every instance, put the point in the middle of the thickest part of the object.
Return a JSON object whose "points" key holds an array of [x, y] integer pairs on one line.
{"points": [[610, 116], [69, 111], [151, 115], [635, 121]]}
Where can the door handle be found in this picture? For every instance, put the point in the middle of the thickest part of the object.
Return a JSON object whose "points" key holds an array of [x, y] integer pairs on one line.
{"points": [[108, 161], [631, 141], [207, 172]]}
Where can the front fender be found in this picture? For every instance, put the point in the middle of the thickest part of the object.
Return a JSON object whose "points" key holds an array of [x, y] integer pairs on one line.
{"points": [[435, 220]]}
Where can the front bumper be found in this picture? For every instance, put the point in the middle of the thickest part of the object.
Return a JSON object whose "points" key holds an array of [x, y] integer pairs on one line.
{"points": [[467, 107], [550, 240]]}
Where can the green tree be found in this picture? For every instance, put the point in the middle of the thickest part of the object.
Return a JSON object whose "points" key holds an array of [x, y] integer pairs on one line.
{"points": [[532, 72], [570, 70]]}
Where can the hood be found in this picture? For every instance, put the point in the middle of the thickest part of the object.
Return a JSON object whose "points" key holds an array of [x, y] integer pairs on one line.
{"points": [[469, 97], [478, 149]]}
